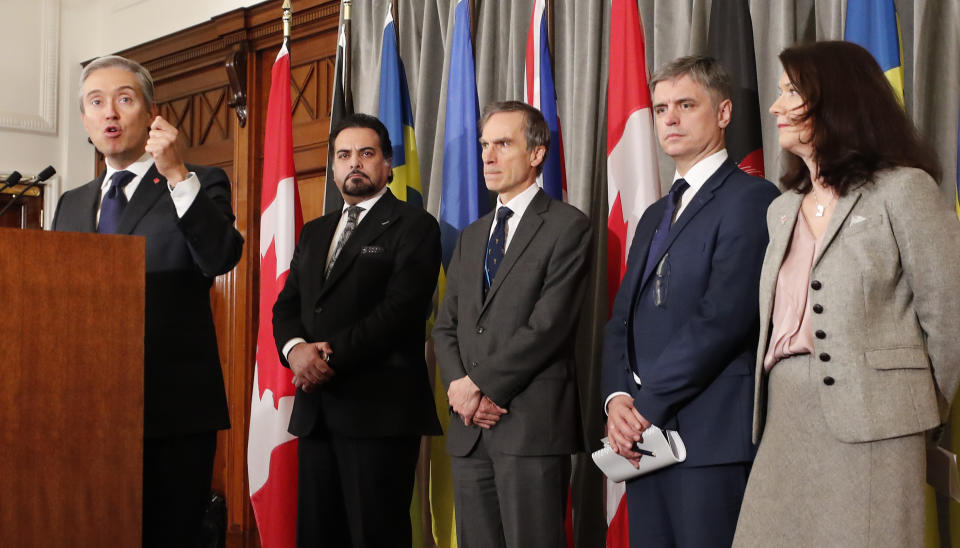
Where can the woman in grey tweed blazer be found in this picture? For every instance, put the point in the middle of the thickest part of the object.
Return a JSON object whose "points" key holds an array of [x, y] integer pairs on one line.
{"points": [[859, 309]]}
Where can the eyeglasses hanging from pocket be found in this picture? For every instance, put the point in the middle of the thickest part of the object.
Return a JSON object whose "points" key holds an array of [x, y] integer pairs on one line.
{"points": [[661, 281]]}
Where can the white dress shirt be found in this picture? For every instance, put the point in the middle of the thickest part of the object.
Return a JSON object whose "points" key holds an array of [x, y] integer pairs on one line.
{"points": [[183, 194], [696, 176], [518, 204], [342, 224]]}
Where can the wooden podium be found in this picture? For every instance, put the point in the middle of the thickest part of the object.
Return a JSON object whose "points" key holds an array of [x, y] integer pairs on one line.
{"points": [[71, 389]]}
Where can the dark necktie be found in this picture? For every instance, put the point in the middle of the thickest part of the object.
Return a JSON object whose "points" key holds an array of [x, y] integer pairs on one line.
{"points": [[496, 246], [353, 213], [114, 201], [663, 230]]}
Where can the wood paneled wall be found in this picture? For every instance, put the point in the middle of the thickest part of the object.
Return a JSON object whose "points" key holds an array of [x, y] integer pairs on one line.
{"points": [[193, 92]]}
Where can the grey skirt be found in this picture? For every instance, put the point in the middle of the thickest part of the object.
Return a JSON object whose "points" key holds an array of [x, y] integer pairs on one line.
{"points": [[807, 488]]}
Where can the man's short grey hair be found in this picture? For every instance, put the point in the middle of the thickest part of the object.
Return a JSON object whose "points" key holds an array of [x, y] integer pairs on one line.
{"points": [[535, 128], [705, 71], [110, 61]]}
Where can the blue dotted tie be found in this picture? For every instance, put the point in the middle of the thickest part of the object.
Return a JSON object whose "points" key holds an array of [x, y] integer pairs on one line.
{"points": [[114, 201], [496, 246], [659, 241]]}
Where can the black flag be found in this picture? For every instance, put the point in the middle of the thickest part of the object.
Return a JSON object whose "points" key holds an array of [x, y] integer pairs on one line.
{"points": [[342, 106], [730, 41]]}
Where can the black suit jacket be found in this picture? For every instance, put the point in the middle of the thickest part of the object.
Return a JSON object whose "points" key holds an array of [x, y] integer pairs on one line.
{"points": [[517, 345], [183, 383], [372, 309], [695, 349]]}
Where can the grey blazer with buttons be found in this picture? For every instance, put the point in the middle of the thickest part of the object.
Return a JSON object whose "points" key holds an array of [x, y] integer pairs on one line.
{"points": [[885, 292]]}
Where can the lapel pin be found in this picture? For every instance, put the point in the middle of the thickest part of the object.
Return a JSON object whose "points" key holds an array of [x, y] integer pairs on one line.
{"points": [[156, 180], [385, 223], [783, 219]]}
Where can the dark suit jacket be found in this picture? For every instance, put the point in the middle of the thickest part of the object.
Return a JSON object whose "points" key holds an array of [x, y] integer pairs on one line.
{"points": [[695, 351], [517, 345], [183, 383], [372, 309]]}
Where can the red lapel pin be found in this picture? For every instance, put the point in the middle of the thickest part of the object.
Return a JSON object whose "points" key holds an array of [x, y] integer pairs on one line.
{"points": [[156, 180]]}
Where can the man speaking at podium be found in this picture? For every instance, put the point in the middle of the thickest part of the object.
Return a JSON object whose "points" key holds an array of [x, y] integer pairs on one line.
{"points": [[184, 214]]}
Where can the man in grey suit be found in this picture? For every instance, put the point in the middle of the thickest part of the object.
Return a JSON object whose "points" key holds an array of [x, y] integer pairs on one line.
{"points": [[504, 344]]}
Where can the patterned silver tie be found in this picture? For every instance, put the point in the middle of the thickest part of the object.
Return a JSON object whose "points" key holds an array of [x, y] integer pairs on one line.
{"points": [[353, 213]]}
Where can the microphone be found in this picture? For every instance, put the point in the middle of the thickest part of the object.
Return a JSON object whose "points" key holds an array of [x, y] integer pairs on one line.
{"points": [[41, 177], [12, 179], [44, 175]]}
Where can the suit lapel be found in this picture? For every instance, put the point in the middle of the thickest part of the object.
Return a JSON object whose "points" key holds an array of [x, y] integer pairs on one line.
{"points": [[702, 197], [781, 234], [380, 217], [640, 247], [146, 195], [840, 212], [472, 268], [526, 229], [89, 199]]}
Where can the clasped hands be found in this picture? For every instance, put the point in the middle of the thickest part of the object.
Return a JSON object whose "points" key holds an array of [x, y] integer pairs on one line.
{"points": [[309, 363], [472, 405], [625, 426]]}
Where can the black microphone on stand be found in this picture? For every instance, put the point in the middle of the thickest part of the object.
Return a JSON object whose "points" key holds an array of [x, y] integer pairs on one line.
{"points": [[12, 179], [41, 177]]}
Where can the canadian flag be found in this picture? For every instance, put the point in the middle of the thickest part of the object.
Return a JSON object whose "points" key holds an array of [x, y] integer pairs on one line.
{"points": [[271, 450], [633, 181]]}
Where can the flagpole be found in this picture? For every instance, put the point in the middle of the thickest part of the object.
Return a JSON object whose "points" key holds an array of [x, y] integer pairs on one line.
{"points": [[395, 12], [549, 9], [473, 26], [287, 19], [347, 93]]}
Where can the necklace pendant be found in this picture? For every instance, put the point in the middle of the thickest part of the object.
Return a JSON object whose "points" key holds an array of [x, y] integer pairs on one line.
{"points": [[819, 210]]}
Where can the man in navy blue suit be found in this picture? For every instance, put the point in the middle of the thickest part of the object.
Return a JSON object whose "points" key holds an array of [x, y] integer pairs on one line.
{"points": [[679, 348]]}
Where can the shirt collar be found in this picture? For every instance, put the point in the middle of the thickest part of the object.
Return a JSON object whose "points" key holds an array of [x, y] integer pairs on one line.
{"points": [[369, 202], [519, 203], [138, 168], [697, 175]]}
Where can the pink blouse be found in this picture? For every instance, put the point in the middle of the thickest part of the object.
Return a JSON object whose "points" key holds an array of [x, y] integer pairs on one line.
{"points": [[791, 332]]}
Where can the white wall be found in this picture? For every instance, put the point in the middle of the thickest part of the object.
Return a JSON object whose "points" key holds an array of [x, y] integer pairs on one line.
{"points": [[83, 29]]}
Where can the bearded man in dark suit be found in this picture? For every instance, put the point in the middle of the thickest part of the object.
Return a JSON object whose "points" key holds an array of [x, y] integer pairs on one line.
{"points": [[350, 323], [184, 214]]}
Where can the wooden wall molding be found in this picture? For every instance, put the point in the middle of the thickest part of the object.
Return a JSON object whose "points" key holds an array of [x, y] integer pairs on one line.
{"points": [[218, 36], [44, 118], [299, 19]]}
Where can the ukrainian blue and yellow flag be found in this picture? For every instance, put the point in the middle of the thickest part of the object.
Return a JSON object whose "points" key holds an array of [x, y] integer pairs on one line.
{"points": [[395, 113], [874, 25], [464, 196], [463, 200]]}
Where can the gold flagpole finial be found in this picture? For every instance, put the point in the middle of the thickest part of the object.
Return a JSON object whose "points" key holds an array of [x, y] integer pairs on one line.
{"points": [[287, 18]]}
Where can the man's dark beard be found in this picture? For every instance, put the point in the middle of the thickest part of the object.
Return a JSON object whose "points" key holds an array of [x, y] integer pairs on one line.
{"points": [[358, 184]]}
